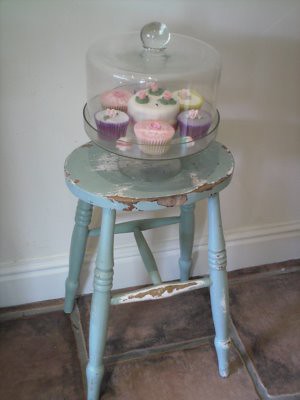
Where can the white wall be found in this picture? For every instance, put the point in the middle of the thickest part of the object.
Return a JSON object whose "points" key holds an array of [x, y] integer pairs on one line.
{"points": [[42, 89]]}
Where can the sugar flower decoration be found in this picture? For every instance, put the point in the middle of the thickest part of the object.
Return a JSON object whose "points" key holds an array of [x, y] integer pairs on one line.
{"points": [[193, 114], [110, 113], [154, 87], [155, 125], [185, 94], [167, 95], [142, 97], [142, 94]]}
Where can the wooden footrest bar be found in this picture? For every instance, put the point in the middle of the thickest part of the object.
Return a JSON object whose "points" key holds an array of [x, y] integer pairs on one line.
{"points": [[167, 289], [141, 224]]}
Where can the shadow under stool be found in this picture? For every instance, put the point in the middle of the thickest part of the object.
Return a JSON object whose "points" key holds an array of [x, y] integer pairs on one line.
{"points": [[93, 175]]}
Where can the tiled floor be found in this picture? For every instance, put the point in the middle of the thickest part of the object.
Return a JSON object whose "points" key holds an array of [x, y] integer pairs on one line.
{"points": [[162, 349]]}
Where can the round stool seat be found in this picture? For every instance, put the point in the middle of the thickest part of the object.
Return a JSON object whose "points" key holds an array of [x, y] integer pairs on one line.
{"points": [[94, 176]]}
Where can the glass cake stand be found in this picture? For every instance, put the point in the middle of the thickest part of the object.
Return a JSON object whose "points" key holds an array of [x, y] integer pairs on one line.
{"points": [[120, 66], [135, 162]]}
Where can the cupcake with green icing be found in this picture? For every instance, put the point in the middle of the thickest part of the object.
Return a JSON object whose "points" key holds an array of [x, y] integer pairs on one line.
{"points": [[144, 106]]}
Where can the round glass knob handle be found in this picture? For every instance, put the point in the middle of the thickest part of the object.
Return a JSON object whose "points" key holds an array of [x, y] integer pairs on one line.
{"points": [[155, 35]]}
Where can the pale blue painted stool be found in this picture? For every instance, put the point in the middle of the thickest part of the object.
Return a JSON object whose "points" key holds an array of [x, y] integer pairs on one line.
{"points": [[93, 175]]}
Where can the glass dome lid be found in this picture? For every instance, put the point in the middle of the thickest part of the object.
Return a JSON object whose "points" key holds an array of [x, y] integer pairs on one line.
{"points": [[152, 89]]}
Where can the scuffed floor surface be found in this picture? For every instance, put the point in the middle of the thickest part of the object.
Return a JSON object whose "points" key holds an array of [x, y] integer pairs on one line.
{"points": [[162, 350]]}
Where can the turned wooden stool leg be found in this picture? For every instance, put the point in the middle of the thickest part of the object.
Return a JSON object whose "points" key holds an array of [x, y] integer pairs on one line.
{"points": [[219, 284], [100, 304], [77, 251], [186, 238]]}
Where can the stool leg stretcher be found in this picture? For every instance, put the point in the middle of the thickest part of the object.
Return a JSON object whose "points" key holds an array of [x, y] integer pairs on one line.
{"points": [[141, 224], [157, 292], [147, 257]]}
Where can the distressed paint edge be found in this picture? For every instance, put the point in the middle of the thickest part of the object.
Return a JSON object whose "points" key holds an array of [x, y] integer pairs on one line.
{"points": [[173, 200]]}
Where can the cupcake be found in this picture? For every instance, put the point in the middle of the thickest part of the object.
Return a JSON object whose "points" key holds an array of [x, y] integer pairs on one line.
{"points": [[194, 123], [111, 124], [188, 99], [116, 99], [154, 136], [149, 105]]}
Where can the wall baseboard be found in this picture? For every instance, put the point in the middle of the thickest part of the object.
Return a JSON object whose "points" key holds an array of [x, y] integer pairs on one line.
{"points": [[43, 279]]}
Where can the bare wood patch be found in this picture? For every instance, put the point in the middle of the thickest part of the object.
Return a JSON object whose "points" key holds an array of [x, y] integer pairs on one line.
{"points": [[160, 291], [169, 201], [172, 201]]}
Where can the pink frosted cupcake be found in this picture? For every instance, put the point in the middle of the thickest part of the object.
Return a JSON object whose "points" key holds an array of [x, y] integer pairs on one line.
{"points": [[154, 136], [116, 99], [111, 124]]}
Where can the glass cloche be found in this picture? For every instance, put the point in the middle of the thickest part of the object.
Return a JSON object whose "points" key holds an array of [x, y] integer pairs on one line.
{"points": [[151, 95]]}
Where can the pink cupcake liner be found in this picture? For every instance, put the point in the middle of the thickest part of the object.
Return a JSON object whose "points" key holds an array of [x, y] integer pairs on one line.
{"points": [[154, 147], [114, 106]]}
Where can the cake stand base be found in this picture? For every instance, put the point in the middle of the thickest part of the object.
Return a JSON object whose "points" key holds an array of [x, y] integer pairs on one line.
{"points": [[148, 170]]}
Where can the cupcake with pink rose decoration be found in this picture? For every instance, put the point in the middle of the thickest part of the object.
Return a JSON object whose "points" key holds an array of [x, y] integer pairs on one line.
{"points": [[154, 136], [116, 99], [194, 123], [111, 124], [153, 104]]}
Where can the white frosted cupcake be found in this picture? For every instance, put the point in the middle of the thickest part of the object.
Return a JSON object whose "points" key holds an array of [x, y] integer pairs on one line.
{"points": [[111, 124], [153, 104], [154, 136]]}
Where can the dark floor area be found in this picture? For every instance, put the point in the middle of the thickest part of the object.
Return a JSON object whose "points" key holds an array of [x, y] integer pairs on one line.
{"points": [[162, 349]]}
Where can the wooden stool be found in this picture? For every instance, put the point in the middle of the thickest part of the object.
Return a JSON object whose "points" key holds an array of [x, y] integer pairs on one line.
{"points": [[93, 175]]}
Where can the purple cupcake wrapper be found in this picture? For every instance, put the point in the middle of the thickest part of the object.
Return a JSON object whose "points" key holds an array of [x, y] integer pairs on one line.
{"points": [[196, 132], [111, 130]]}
